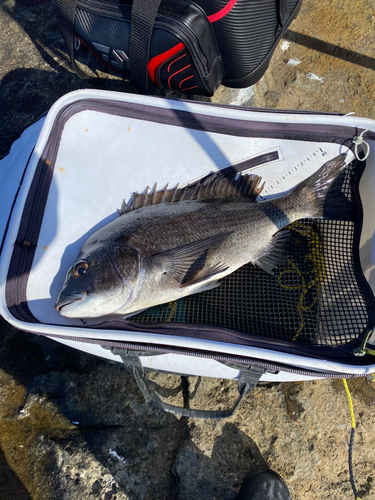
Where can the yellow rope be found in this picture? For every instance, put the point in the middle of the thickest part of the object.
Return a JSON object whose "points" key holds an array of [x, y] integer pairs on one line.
{"points": [[173, 306], [353, 427], [314, 255], [350, 403]]}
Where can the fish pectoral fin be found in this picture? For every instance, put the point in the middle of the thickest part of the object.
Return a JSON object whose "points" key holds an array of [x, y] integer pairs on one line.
{"points": [[277, 252], [187, 264]]}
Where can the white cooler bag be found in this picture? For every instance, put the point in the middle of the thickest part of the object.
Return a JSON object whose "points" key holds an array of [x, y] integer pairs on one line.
{"points": [[68, 173]]}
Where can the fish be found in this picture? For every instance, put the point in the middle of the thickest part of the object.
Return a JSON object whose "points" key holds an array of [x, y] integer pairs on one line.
{"points": [[172, 243]]}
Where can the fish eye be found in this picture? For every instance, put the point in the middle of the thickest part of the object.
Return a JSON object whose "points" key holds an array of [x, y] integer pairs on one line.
{"points": [[80, 269]]}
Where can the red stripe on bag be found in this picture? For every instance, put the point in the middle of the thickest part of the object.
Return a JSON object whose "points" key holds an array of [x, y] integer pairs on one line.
{"points": [[176, 73], [223, 12], [155, 61]]}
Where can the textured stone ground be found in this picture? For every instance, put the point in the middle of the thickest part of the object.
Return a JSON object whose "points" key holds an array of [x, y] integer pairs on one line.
{"points": [[73, 426]]}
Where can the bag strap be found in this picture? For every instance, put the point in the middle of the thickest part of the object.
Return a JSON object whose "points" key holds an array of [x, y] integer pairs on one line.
{"points": [[65, 14], [282, 17], [248, 380], [142, 24]]}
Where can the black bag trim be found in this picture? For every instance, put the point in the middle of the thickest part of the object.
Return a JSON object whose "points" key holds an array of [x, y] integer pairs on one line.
{"points": [[148, 349], [198, 45], [31, 221]]}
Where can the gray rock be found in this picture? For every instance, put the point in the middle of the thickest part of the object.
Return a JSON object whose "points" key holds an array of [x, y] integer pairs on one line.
{"points": [[74, 426]]}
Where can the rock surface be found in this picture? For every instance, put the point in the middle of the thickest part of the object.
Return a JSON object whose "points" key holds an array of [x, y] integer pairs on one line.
{"points": [[74, 426]]}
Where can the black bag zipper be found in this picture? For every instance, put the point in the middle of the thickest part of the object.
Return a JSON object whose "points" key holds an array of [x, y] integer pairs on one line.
{"points": [[153, 350]]}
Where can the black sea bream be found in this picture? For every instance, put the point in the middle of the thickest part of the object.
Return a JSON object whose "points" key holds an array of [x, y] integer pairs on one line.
{"points": [[171, 243]]}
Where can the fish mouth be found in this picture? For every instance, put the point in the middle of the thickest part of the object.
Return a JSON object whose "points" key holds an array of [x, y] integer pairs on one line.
{"points": [[69, 299]]}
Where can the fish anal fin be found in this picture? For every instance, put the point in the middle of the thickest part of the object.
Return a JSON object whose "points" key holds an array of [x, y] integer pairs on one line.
{"points": [[276, 253]]}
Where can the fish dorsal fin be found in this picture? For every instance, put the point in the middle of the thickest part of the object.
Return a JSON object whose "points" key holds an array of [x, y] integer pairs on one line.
{"points": [[209, 187]]}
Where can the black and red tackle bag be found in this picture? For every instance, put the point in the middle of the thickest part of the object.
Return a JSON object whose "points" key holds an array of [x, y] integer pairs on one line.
{"points": [[178, 44]]}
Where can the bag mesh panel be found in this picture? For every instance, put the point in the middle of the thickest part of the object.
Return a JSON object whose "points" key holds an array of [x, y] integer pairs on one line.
{"points": [[314, 298]]}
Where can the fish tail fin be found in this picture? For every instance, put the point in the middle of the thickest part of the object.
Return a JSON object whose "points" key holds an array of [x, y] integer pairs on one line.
{"points": [[323, 192]]}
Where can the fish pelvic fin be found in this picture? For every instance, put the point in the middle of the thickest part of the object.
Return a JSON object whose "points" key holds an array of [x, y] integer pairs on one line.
{"points": [[322, 193], [211, 186], [187, 264], [192, 278]]}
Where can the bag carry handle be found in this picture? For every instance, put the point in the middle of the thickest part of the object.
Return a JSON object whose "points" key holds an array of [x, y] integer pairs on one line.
{"points": [[65, 14], [142, 24], [248, 380], [282, 15]]}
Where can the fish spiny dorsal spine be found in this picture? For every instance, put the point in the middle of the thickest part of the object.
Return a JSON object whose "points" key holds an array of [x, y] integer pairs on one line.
{"points": [[209, 187]]}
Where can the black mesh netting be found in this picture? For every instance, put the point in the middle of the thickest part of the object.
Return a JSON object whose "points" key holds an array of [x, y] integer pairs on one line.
{"points": [[318, 297]]}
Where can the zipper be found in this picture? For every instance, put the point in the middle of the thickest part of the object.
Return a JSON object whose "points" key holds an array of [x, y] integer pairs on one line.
{"points": [[263, 110], [14, 202], [35, 210], [155, 350], [36, 206], [25, 239]]}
